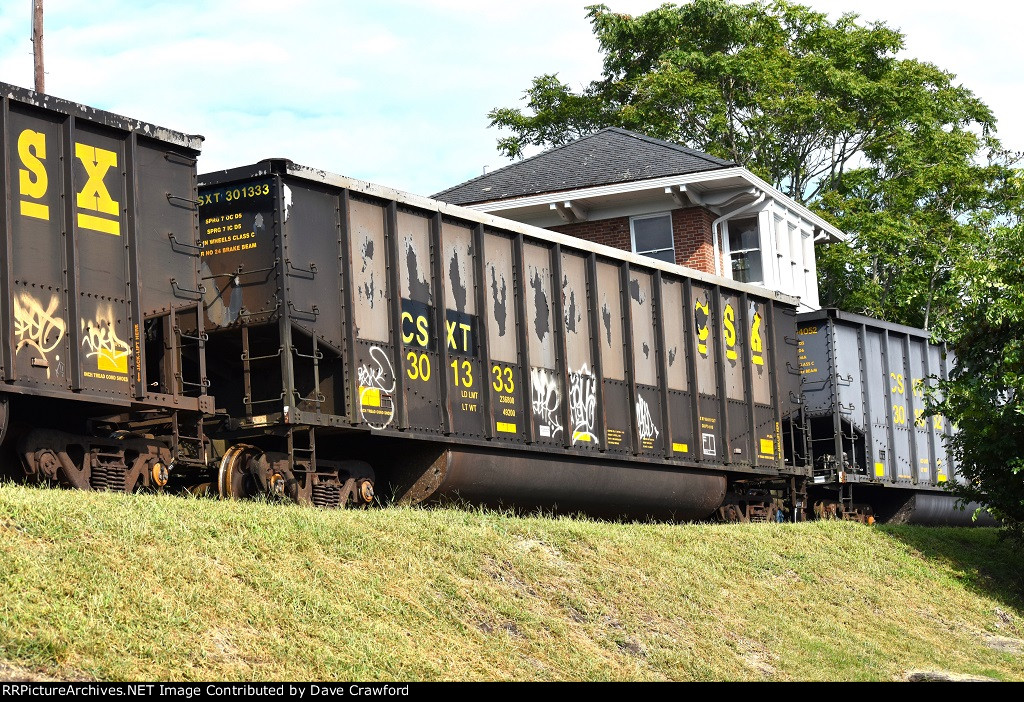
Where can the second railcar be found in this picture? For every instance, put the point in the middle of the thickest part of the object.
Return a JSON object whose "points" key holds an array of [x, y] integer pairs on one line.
{"points": [[457, 353]]}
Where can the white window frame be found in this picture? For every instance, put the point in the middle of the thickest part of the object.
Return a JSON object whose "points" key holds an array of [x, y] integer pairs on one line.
{"points": [[671, 231], [760, 248], [790, 246]]}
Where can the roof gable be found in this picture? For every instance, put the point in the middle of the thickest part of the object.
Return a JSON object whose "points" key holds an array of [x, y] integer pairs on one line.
{"points": [[612, 155]]}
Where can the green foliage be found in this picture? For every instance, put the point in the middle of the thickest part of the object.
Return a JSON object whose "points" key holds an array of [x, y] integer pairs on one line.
{"points": [[890, 149], [984, 396]]}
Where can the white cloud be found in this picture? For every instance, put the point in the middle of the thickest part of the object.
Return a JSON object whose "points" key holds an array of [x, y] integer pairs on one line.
{"points": [[395, 92]]}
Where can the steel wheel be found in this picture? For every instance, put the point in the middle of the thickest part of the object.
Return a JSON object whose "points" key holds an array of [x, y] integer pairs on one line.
{"points": [[235, 479]]}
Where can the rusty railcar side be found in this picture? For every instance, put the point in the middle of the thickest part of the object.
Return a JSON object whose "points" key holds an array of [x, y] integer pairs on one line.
{"points": [[372, 317], [99, 275]]}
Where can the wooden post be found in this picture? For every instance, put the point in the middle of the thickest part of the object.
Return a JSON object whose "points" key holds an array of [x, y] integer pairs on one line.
{"points": [[37, 44]]}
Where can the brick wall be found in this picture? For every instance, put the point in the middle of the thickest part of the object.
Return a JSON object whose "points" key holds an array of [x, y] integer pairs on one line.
{"points": [[691, 232], [610, 232]]}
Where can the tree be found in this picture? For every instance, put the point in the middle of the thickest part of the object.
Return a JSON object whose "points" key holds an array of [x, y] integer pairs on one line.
{"points": [[889, 149], [984, 396]]}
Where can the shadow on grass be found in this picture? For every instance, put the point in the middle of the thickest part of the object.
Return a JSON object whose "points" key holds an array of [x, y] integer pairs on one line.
{"points": [[983, 561]]}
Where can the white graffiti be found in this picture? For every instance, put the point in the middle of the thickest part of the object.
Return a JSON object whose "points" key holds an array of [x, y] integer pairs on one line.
{"points": [[38, 328], [376, 383], [582, 404], [546, 401], [644, 422], [100, 336]]}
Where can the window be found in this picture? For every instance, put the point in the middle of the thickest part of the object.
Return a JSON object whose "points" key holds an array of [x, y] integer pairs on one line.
{"points": [[745, 250], [652, 236]]}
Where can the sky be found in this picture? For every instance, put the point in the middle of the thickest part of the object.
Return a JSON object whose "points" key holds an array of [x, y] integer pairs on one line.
{"points": [[397, 92]]}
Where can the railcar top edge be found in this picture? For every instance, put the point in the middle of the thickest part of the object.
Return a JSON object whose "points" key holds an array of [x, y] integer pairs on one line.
{"points": [[193, 142], [286, 167]]}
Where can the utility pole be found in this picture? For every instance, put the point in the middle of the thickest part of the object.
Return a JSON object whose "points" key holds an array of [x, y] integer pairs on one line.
{"points": [[37, 44]]}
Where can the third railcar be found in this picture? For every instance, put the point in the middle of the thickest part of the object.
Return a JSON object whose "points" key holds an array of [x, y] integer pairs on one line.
{"points": [[359, 330], [875, 450]]}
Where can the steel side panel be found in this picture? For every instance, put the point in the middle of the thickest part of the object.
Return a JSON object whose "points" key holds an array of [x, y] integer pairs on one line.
{"points": [[924, 470], [164, 212], [500, 319], [40, 313], [240, 253], [898, 382], [815, 367], [312, 276], [369, 266], [938, 423], [609, 300], [675, 335], [583, 381], [848, 376]]}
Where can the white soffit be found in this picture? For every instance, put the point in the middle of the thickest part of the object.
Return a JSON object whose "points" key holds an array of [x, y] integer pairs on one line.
{"points": [[708, 180]]}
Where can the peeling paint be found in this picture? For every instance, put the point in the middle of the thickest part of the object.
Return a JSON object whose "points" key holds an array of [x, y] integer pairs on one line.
{"points": [[499, 298], [635, 292], [541, 310], [419, 286], [455, 267], [606, 320], [287, 202]]}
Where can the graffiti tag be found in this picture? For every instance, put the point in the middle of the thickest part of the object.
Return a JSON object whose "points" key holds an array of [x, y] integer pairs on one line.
{"points": [[644, 421], [582, 403], [37, 328], [376, 383], [103, 344], [546, 401]]}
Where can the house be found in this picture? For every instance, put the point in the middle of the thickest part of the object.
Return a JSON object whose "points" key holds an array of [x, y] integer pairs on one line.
{"points": [[651, 197]]}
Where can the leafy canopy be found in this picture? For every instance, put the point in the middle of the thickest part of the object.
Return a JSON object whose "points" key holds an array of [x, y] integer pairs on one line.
{"points": [[985, 393], [889, 149]]}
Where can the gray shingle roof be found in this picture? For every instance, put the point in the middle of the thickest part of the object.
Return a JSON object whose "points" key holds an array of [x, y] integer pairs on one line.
{"points": [[611, 155]]}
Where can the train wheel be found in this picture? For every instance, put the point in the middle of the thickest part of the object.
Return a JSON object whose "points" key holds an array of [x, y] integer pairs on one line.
{"points": [[236, 478], [4, 415]]}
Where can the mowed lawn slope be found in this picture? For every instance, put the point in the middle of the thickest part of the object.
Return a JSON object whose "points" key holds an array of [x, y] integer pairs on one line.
{"points": [[113, 587]]}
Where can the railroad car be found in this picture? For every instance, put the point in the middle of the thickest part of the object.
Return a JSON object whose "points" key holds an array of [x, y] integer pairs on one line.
{"points": [[99, 276], [365, 334], [875, 451], [360, 340]]}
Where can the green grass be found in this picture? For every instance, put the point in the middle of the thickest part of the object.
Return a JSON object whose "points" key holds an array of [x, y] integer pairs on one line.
{"points": [[146, 587]]}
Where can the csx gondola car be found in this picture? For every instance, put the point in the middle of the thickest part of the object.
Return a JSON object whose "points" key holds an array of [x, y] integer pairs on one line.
{"points": [[876, 452], [363, 332], [99, 277]]}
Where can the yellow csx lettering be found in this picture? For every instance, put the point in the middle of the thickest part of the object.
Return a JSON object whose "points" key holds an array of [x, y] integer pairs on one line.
{"points": [[421, 335], [94, 196], [756, 342], [452, 343], [898, 385], [32, 179], [729, 324], [703, 331]]}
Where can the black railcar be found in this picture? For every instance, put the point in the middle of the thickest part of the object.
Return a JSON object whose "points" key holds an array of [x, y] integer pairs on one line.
{"points": [[453, 352], [99, 276]]}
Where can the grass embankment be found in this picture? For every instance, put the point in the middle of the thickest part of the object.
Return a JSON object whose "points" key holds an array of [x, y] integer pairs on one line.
{"points": [[144, 587]]}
